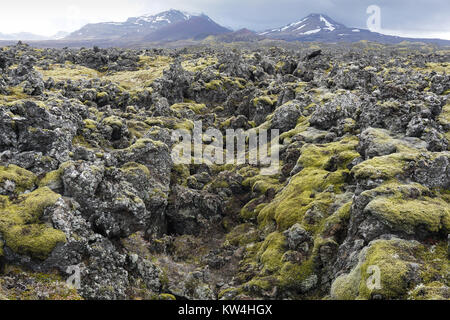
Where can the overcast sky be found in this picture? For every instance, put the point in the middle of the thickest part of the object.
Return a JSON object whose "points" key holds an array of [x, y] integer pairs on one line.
{"points": [[421, 18]]}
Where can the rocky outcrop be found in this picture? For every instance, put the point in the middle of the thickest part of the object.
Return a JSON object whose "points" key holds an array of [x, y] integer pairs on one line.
{"points": [[89, 187]]}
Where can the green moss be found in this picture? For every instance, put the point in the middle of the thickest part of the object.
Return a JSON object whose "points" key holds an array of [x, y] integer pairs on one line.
{"points": [[346, 287], [271, 252], [313, 187], [434, 291], [337, 220], [24, 180], [195, 107], [20, 224], [242, 235], [142, 143], [90, 124], [113, 121], [35, 240], [214, 85], [293, 275], [180, 174], [196, 65], [261, 183], [135, 169], [166, 296], [436, 263], [392, 258], [53, 178], [14, 94], [102, 95], [81, 141], [408, 214], [319, 156], [187, 125], [385, 167], [269, 100]]}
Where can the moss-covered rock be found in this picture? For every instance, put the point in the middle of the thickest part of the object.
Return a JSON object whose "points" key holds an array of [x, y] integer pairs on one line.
{"points": [[21, 227], [20, 179]]}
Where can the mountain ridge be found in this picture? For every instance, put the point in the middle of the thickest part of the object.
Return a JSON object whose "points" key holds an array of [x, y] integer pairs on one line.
{"points": [[175, 25]]}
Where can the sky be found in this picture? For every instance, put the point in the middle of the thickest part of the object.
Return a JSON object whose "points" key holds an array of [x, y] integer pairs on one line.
{"points": [[412, 18]]}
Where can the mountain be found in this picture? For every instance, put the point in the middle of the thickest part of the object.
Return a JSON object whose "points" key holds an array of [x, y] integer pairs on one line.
{"points": [[22, 36], [197, 28], [170, 25], [321, 28], [312, 24], [60, 35], [242, 35]]}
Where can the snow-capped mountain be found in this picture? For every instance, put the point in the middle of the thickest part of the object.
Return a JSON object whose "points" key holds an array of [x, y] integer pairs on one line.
{"points": [[148, 27], [195, 28], [312, 24], [321, 28]]}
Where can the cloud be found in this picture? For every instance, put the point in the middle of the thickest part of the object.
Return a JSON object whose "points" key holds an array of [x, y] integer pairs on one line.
{"points": [[424, 17]]}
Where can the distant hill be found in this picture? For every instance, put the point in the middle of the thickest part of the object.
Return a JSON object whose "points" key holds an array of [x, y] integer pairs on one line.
{"points": [[242, 35], [176, 28], [24, 36], [321, 28], [170, 25]]}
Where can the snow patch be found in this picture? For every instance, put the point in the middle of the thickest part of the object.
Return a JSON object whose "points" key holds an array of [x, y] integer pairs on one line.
{"points": [[329, 26], [312, 31]]}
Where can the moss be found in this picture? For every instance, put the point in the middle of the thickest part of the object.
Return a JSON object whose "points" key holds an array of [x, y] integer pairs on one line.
{"points": [[81, 141], [63, 72], [142, 143], [436, 263], [197, 65], [391, 257], [48, 286], [166, 296], [90, 124], [242, 235], [336, 221], [21, 227], [195, 107], [113, 121], [35, 240], [269, 100], [271, 252], [385, 167], [408, 214], [214, 85], [134, 169], [184, 125], [180, 174], [302, 125], [293, 275], [53, 178], [261, 183], [24, 180], [346, 287], [312, 188], [444, 117], [319, 156], [433, 291], [152, 68]]}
